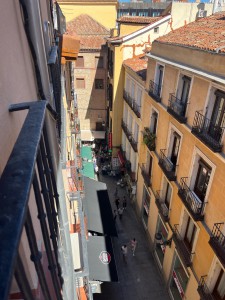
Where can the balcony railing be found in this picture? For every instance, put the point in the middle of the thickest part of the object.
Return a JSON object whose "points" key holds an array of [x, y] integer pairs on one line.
{"points": [[30, 167], [75, 125], [177, 108], [145, 174], [129, 136], [163, 209], [204, 291], [149, 139], [184, 252], [167, 166], [209, 133], [154, 91], [217, 242], [194, 205], [131, 102]]}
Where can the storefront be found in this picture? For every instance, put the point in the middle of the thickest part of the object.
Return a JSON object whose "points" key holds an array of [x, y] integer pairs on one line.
{"points": [[160, 239], [178, 281]]}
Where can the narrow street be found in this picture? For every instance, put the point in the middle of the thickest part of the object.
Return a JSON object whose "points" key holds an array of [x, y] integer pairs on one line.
{"points": [[139, 278]]}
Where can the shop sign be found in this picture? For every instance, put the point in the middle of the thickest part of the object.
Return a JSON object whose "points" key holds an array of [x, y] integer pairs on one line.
{"points": [[110, 141], [105, 257], [179, 287]]}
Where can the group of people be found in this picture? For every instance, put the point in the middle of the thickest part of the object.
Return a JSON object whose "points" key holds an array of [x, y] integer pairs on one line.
{"points": [[120, 209], [124, 249]]}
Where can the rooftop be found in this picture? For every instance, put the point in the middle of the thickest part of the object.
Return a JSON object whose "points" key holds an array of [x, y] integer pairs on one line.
{"points": [[138, 65], [138, 20], [91, 32], [206, 34]]}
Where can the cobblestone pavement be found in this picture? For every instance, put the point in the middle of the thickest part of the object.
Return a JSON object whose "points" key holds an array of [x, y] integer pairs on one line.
{"points": [[139, 278]]}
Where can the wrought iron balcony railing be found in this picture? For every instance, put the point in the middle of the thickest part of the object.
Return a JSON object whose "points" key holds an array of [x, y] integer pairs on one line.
{"points": [[183, 250], [217, 242], [194, 205], [177, 108], [30, 167], [203, 290], [154, 91], [149, 139], [167, 166], [75, 177], [209, 133], [129, 136], [163, 209], [145, 174], [131, 102]]}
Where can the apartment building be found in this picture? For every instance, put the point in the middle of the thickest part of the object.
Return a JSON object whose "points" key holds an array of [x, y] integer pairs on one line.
{"points": [[91, 76], [46, 252], [180, 201]]}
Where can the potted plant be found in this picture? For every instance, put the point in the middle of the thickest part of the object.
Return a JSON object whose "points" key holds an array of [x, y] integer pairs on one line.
{"points": [[149, 139]]}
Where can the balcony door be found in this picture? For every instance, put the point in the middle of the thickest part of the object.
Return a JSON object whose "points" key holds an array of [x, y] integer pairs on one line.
{"points": [[190, 234], [175, 149], [154, 120], [149, 165], [219, 289], [202, 180], [184, 93], [217, 121], [159, 78]]}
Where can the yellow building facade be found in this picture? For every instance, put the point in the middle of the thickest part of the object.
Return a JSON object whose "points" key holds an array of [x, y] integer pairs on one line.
{"points": [[180, 186]]}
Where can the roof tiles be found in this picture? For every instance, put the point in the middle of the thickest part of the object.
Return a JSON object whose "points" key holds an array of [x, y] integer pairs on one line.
{"points": [[138, 65], [138, 20], [206, 33]]}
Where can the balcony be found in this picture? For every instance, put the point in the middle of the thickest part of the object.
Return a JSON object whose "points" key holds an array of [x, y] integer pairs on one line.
{"points": [[167, 166], [207, 132], [30, 167], [75, 125], [145, 174], [184, 252], [129, 136], [149, 139], [154, 91], [191, 201], [204, 291], [133, 105], [163, 209], [177, 109], [217, 242]]}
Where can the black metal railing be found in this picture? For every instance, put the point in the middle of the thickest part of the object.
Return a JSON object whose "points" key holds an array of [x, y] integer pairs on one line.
{"points": [[203, 290], [167, 166], [194, 205], [129, 136], [29, 166], [149, 139], [163, 209], [131, 102], [145, 174], [154, 91], [177, 108], [217, 242], [183, 250], [208, 132]]}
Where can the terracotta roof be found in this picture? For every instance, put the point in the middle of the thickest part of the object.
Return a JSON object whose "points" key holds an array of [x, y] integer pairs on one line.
{"points": [[91, 32], [138, 65], [206, 33], [138, 20]]}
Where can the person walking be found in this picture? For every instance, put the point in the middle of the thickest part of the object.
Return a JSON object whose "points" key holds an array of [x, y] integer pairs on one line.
{"points": [[124, 251], [115, 214], [117, 202], [124, 203], [133, 246], [120, 212]]}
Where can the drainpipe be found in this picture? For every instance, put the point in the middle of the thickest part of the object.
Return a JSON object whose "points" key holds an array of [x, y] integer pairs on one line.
{"points": [[36, 35]]}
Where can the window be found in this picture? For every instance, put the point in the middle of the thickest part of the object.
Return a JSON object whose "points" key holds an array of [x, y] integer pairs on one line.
{"points": [[149, 165], [175, 148], [153, 122], [190, 233], [80, 62], [202, 180], [139, 96], [219, 289], [167, 194], [80, 83], [160, 248], [146, 206], [99, 84], [136, 131], [156, 30], [159, 78], [99, 62], [183, 93]]}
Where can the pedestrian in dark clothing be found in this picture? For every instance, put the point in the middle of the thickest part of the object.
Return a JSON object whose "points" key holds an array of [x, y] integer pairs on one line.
{"points": [[124, 203], [124, 253], [117, 202], [120, 212]]}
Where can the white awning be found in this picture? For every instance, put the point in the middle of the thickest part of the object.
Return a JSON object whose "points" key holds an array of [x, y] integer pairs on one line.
{"points": [[90, 135], [76, 251]]}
